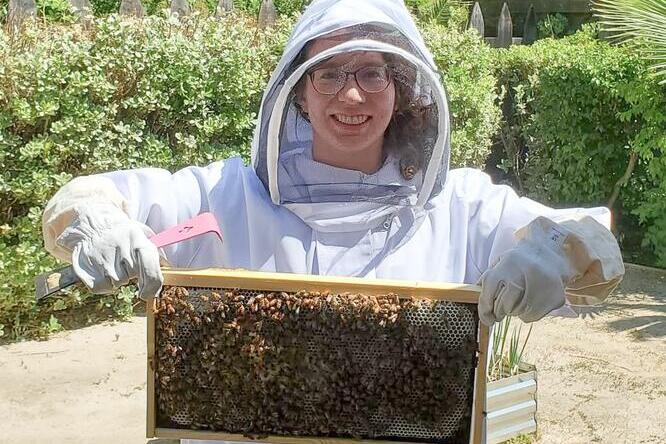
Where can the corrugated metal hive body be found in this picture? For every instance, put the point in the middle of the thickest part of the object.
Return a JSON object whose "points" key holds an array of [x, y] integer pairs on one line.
{"points": [[237, 355]]}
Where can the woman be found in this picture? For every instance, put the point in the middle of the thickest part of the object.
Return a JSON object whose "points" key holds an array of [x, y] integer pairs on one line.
{"points": [[349, 177]]}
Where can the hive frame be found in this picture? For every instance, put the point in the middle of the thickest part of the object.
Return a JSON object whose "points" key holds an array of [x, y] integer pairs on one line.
{"points": [[288, 282]]}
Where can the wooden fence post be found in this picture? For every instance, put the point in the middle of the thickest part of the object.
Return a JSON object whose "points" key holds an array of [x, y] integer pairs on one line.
{"points": [[18, 12], [504, 28], [224, 6], [180, 8], [476, 20], [267, 14], [132, 8], [530, 28]]}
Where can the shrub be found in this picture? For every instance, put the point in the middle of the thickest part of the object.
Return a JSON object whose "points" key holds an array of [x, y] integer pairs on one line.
{"points": [[104, 7], [581, 111], [466, 64], [553, 25], [129, 94], [162, 93], [48, 10], [450, 13]]}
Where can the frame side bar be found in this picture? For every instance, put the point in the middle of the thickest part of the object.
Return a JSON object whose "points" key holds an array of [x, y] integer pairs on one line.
{"points": [[479, 406], [151, 413]]}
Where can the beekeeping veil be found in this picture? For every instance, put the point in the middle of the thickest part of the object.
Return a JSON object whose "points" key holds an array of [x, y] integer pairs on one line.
{"points": [[416, 143]]}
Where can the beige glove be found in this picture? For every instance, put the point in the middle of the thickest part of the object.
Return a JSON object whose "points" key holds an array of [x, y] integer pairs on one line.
{"points": [[86, 223], [579, 260], [109, 249]]}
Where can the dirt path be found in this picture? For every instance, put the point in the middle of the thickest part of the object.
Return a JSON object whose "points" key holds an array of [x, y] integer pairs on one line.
{"points": [[601, 379]]}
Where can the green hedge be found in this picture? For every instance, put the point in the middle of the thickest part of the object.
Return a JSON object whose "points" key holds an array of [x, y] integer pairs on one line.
{"points": [[467, 68], [154, 93], [580, 108]]}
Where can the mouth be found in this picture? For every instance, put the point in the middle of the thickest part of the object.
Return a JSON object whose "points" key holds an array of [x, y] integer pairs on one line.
{"points": [[351, 121]]}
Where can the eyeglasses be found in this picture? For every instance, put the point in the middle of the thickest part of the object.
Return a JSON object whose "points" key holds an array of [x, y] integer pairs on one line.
{"points": [[371, 79]]}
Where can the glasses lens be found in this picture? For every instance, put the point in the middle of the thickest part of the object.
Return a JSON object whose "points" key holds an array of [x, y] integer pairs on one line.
{"points": [[370, 79], [373, 78], [328, 80]]}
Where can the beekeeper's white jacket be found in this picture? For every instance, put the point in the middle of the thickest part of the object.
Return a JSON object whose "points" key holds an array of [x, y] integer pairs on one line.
{"points": [[455, 226], [454, 237]]}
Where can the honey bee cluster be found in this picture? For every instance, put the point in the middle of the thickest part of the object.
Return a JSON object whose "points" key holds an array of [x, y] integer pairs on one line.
{"points": [[309, 363]]}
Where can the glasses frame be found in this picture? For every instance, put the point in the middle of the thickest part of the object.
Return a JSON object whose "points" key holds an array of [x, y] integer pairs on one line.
{"points": [[353, 73]]}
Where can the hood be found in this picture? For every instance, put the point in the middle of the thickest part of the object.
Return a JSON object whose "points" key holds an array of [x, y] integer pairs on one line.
{"points": [[282, 143]]}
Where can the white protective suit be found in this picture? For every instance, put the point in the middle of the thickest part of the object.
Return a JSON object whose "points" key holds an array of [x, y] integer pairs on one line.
{"points": [[288, 213]]}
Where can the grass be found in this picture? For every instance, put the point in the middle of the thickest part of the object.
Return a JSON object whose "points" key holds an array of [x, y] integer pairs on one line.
{"points": [[508, 350]]}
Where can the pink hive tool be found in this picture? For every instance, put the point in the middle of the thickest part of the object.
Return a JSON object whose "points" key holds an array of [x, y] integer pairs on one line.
{"points": [[201, 224], [51, 282]]}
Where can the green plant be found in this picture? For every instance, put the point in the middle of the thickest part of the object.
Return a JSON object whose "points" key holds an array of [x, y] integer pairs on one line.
{"points": [[4, 6], [522, 439], [48, 10], [639, 22], [283, 7], [163, 93], [508, 349], [105, 7], [449, 13], [466, 66], [587, 126], [553, 25]]}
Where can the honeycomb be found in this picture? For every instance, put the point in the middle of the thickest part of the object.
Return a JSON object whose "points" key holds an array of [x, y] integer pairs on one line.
{"points": [[303, 363]]}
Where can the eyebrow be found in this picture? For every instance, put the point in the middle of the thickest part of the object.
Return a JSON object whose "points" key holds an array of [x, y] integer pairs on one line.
{"points": [[331, 64]]}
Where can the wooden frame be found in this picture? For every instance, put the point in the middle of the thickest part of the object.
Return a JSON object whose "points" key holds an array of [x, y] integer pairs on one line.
{"points": [[220, 278]]}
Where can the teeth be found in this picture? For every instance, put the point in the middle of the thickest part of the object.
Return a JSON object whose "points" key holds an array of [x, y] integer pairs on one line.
{"points": [[351, 120]]}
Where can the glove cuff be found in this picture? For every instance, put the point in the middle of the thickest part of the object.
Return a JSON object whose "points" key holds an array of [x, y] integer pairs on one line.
{"points": [[549, 240], [590, 260], [65, 206], [89, 222]]}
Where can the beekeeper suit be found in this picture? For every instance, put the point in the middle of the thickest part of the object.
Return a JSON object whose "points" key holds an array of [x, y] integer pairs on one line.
{"points": [[412, 218]]}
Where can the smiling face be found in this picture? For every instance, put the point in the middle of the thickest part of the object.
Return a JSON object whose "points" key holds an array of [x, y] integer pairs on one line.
{"points": [[348, 127]]}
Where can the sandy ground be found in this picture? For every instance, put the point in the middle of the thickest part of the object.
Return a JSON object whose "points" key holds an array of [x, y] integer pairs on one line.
{"points": [[601, 378]]}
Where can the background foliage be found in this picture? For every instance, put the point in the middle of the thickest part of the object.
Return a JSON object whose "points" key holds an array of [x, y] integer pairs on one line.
{"points": [[579, 110], [568, 116], [129, 94], [162, 93]]}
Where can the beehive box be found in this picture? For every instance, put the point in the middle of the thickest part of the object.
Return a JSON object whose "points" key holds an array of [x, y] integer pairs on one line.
{"points": [[275, 357]]}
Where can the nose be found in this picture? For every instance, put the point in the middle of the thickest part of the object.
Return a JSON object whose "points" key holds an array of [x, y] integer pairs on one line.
{"points": [[351, 92]]}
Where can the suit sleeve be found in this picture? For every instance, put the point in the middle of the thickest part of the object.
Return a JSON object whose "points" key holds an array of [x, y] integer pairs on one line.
{"points": [[499, 218], [151, 196]]}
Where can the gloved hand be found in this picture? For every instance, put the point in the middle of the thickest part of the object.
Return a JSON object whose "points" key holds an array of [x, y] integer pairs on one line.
{"points": [[108, 249], [529, 280]]}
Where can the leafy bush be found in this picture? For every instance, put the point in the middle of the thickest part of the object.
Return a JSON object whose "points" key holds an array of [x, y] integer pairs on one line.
{"points": [[161, 93], [49, 10], [466, 64], [581, 111], [129, 94], [251, 7], [104, 7], [449, 13], [553, 25]]}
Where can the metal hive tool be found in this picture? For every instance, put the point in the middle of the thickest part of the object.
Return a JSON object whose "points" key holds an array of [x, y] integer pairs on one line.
{"points": [[320, 397]]}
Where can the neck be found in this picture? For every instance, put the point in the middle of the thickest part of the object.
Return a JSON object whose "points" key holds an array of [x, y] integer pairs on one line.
{"points": [[368, 160]]}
